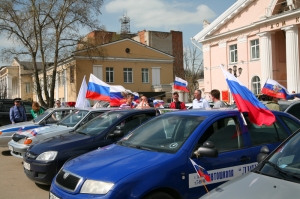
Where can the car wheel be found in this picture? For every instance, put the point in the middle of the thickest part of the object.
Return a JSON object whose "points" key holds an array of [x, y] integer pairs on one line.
{"points": [[159, 195]]}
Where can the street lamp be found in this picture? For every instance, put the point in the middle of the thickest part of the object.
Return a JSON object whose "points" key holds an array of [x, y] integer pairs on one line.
{"points": [[234, 69]]}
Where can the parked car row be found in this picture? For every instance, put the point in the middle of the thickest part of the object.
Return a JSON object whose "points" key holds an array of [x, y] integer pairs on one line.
{"points": [[143, 153]]}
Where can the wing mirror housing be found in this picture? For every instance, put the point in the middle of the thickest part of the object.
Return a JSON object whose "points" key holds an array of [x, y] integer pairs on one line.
{"points": [[118, 132], [207, 150], [264, 152]]}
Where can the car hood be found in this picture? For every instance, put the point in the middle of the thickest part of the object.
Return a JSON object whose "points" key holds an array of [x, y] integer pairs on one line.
{"points": [[17, 126], [44, 130], [115, 160], [253, 185], [58, 143]]}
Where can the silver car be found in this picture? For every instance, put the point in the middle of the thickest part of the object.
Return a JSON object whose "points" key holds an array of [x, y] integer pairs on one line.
{"points": [[44, 119], [21, 141]]}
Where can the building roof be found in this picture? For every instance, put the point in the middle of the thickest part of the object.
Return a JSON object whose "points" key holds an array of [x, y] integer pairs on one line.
{"points": [[29, 65], [222, 19]]}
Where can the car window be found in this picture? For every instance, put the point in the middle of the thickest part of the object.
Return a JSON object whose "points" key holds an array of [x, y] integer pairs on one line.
{"points": [[284, 163], [152, 135], [97, 125], [72, 119], [27, 107], [57, 115], [91, 116], [225, 134], [292, 124], [266, 134], [294, 110]]}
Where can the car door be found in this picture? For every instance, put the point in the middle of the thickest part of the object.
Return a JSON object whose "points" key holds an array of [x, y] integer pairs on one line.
{"points": [[270, 136], [233, 159], [294, 110]]}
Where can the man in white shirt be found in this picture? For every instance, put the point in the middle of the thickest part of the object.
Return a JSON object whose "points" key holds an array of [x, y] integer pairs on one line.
{"points": [[199, 102]]}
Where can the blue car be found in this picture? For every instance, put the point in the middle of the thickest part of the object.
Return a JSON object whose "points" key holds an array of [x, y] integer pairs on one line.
{"points": [[43, 160], [7, 131], [154, 160]]}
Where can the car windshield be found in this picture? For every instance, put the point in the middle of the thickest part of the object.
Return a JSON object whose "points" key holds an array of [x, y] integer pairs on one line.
{"points": [[284, 163], [40, 117], [97, 125], [165, 133], [73, 118]]}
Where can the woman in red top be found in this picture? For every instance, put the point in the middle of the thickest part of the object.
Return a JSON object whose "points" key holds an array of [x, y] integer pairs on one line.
{"points": [[176, 104]]}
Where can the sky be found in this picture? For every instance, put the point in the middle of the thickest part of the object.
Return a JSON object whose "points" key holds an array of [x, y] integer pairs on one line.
{"points": [[157, 15], [163, 15]]}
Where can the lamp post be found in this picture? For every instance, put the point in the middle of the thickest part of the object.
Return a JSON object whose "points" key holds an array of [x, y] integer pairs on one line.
{"points": [[234, 69]]}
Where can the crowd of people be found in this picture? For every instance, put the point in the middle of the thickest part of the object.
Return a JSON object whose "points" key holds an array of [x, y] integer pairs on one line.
{"points": [[18, 113]]}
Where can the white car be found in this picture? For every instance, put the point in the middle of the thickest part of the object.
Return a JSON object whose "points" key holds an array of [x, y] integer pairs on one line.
{"points": [[23, 140]]}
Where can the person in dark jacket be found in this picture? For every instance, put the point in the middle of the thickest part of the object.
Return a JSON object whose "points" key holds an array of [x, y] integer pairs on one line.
{"points": [[17, 112], [176, 104]]}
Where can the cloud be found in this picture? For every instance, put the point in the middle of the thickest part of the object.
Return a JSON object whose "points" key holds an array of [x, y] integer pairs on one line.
{"points": [[160, 13]]}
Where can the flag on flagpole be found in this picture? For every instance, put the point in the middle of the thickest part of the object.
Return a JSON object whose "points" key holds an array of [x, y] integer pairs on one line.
{"points": [[97, 89], [201, 171], [81, 98], [246, 101], [180, 84], [274, 89]]}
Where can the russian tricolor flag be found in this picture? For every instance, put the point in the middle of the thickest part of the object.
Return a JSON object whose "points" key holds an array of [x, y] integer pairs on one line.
{"points": [[97, 89], [246, 101], [201, 171], [180, 84], [274, 89], [116, 95]]}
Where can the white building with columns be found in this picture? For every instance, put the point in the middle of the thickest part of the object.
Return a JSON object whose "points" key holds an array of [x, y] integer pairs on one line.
{"points": [[259, 38]]}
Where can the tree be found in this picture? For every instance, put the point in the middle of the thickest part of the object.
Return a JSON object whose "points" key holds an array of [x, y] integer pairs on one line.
{"points": [[193, 68], [46, 30]]}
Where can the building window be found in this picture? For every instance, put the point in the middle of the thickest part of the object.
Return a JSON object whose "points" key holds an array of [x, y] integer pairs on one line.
{"points": [[72, 71], [27, 87], [145, 75], [256, 85], [254, 49], [233, 53], [127, 75], [109, 74]]}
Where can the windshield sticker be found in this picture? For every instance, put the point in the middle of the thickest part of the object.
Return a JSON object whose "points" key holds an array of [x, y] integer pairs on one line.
{"points": [[173, 145], [221, 175]]}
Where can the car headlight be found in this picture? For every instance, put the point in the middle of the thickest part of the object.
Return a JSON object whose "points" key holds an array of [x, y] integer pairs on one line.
{"points": [[49, 155], [96, 187]]}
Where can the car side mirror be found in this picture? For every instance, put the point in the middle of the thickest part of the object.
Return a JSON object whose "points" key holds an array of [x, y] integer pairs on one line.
{"points": [[207, 150], [264, 152], [118, 132]]}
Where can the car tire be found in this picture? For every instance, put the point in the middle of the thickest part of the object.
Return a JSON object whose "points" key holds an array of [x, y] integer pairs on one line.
{"points": [[159, 195]]}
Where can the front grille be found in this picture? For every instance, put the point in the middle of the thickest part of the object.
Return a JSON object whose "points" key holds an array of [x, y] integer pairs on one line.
{"points": [[16, 137], [29, 155], [67, 180]]}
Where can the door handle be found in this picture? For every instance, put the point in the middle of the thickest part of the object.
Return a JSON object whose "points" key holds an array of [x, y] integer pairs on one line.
{"points": [[244, 159]]}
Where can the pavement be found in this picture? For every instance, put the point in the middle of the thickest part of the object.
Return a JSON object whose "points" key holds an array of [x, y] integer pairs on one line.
{"points": [[14, 184]]}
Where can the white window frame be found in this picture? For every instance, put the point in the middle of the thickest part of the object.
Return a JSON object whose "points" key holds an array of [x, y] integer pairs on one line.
{"points": [[234, 52], [254, 46], [255, 85], [27, 87], [145, 75], [127, 72], [109, 74]]}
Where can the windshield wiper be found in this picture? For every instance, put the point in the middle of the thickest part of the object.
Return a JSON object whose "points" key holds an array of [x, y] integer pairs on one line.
{"points": [[140, 147], [80, 132], [282, 173]]}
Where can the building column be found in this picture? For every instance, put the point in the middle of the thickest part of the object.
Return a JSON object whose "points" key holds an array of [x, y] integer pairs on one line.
{"points": [[9, 87], [292, 58], [265, 45]]}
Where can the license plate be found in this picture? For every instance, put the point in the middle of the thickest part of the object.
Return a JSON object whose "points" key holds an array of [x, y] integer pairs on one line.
{"points": [[52, 196], [10, 148], [26, 165]]}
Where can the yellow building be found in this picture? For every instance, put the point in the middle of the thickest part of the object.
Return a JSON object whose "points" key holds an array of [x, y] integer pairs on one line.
{"points": [[126, 62]]}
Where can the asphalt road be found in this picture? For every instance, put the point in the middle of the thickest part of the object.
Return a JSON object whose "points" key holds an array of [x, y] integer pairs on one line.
{"points": [[13, 182]]}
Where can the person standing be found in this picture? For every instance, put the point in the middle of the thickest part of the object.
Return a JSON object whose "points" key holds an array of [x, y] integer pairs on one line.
{"points": [[57, 104], [199, 102], [17, 112], [143, 103], [215, 96], [129, 102], [272, 104], [36, 110], [176, 104]]}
